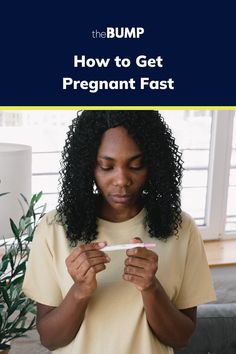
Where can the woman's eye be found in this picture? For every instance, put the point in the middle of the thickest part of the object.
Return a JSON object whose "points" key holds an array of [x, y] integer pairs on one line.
{"points": [[139, 167], [106, 168]]}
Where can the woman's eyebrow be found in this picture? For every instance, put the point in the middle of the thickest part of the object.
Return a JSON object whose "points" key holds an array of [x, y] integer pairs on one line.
{"points": [[109, 158], [135, 157], [105, 158]]}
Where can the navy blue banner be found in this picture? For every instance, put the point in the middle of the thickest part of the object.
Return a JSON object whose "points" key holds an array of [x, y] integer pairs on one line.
{"points": [[111, 55]]}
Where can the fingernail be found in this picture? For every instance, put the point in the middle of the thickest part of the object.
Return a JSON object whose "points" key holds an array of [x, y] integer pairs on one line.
{"points": [[101, 244]]}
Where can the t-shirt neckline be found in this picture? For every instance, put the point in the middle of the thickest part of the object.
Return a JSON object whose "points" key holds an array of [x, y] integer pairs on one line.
{"points": [[123, 224]]}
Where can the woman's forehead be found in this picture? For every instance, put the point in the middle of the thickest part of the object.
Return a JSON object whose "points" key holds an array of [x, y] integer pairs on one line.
{"points": [[116, 141]]}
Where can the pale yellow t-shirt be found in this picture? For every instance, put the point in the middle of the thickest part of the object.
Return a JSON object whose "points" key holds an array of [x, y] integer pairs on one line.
{"points": [[115, 321]]}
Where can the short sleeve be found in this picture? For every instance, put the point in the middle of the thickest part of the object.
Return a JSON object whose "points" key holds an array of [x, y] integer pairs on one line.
{"points": [[40, 282], [196, 286]]}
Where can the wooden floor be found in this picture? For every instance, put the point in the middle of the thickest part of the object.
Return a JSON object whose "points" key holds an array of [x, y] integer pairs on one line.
{"points": [[28, 345], [221, 253]]}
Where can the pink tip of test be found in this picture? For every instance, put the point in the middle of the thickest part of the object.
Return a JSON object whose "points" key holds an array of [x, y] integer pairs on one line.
{"points": [[127, 246]]}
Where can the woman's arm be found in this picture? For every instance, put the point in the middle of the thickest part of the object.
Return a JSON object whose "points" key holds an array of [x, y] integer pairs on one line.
{"points": [[58, 326], [173, 327]]}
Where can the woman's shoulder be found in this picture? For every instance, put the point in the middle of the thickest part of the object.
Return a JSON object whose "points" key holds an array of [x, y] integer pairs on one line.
{"points": [[187, 219], [188, 224], [49, 222], [51, 218], [50, 229]]}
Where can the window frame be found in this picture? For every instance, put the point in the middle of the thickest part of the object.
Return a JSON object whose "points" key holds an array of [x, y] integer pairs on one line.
{"points": [[218, 176]]}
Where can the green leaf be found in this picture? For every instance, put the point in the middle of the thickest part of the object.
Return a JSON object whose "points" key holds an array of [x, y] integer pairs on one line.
{"points": [[16, 233], [33, 199], [1, 194], [21, 267], [28, 222], [30, 211], [18, 280], [14, 228], [32, 324], [22, 224], [38, 196], [5, 296], [11, 260], [24, 198], [3, 265], [16, 310]]}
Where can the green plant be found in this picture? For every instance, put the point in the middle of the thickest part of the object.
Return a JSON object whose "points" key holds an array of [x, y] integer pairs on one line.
{"points": [[17, 312]]}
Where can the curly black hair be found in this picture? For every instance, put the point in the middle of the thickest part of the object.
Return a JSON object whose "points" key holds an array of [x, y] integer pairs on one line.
{"points": [[161, 198]]}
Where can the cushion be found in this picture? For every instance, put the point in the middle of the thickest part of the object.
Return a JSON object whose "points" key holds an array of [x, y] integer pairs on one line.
{"points": [[215, 331]]}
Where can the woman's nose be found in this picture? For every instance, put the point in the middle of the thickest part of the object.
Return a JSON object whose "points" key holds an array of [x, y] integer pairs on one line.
{"points": [[122, 178]]}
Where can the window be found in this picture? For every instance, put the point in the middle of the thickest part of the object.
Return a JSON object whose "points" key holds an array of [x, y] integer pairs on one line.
{"points": [[230, 225], [192, 131], [206, 138]]}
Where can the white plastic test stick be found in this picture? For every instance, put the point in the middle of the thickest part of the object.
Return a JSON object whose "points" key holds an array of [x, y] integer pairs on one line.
{"points": [[127, 246]]}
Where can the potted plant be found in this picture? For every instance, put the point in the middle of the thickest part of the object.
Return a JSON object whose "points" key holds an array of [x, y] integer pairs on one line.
{"points": [[17, 312]]}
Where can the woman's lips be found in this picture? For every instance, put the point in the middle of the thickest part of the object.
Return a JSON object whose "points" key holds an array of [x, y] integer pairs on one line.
{"points": [[120, 198]]}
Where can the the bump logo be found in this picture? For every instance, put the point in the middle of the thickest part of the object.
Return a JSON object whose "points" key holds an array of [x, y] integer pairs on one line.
{"points": [[119, 32], [125, 32]]}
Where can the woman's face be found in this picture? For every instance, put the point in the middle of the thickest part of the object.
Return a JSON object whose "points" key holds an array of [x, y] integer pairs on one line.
{"points": [[120, 175]]}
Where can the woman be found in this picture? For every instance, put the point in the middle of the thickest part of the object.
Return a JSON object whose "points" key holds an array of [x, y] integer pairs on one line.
{"points": [[120, 183]]}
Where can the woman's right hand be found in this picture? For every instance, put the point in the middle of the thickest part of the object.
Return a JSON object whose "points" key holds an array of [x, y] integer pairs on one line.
{"points": [[59, 325], [83, 264]]}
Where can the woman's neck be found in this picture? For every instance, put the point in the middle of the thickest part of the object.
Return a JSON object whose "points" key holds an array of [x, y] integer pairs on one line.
{"points": [[115, 215]]}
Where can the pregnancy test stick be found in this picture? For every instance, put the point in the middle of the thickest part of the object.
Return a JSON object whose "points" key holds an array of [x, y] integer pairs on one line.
{"points": [[127, 246]]}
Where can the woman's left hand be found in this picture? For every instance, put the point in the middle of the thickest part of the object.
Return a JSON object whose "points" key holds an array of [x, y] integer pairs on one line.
{"points": [[140, 266]]}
